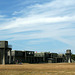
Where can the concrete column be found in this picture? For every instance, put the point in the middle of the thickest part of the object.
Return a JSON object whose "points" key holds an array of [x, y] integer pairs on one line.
{"points": [[10, 57], [25, 58], [44, 59], [34, 59], [68, 56], [7, 60], [69, 59], [4, 56], [14, 59]]}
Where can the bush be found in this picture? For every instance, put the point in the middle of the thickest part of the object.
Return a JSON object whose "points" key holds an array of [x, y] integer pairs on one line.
{"points": [[73, 56]]}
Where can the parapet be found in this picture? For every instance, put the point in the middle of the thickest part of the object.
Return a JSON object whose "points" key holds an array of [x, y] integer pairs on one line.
{"points": [[68, 51]]}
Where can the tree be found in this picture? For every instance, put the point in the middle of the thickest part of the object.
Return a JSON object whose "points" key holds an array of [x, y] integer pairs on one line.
{"points": [[73, 56]]}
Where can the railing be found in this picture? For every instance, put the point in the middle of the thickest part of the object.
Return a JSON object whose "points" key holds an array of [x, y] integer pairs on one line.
{"points": [[9, 46]]}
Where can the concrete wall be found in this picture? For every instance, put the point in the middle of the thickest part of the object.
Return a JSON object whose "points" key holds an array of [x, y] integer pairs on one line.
{"points": [[3, 44]]}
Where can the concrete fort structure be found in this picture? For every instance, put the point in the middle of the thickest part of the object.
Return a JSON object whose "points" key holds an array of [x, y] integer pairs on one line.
{"points": [[68, 56], [4, 49], [9, 56]]}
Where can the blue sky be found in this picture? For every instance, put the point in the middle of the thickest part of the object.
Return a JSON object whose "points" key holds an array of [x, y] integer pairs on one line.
{"points": [[38, 25]]}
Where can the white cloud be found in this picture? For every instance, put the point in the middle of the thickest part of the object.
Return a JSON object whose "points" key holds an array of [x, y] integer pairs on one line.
{"points": [[33, 21]]}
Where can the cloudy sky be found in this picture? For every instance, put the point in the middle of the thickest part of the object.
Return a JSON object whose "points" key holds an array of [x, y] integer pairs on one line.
{"points": [[38, 25]]}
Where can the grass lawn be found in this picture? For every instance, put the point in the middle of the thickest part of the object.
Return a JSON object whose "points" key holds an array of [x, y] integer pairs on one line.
{"points": [[38, 69]]}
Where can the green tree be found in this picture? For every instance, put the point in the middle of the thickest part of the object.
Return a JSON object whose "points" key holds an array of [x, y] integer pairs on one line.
{"points": [[73, 56]]}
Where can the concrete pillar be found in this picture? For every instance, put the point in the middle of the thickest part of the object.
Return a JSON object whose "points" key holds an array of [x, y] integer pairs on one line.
{"points": [[25, 58], [44, 59], [69, 60], [7, 60], [68, 56], [31, 59], [4, 56], [10, 57], [34, 59], [14, 59]]}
